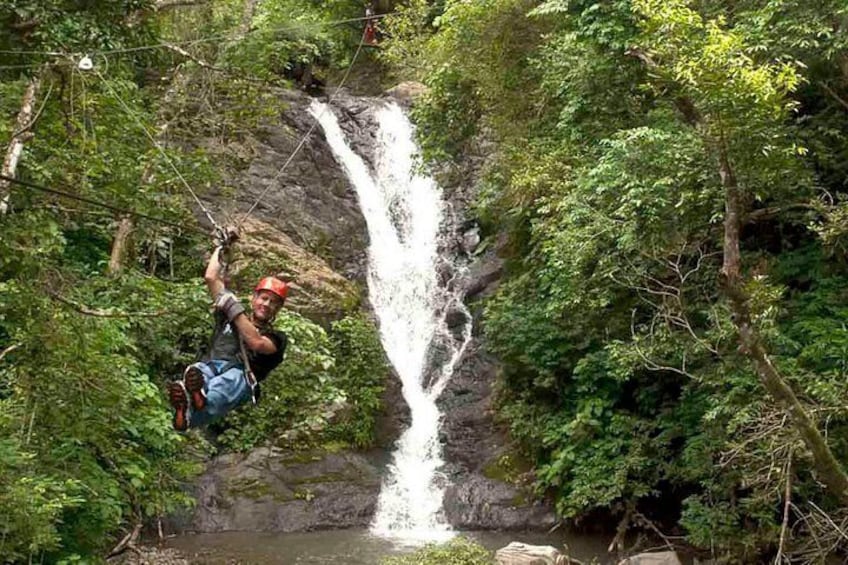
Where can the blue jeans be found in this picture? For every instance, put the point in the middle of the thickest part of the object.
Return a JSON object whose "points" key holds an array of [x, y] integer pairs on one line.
{"points": [[223, 391]]}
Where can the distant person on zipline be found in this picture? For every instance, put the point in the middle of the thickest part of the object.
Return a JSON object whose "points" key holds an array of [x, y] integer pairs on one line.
{"points": [[370, 36], [224, 379]]}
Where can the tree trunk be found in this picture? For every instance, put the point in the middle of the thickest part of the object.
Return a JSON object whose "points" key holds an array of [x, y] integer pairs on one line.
{"points": [[120, 243], [828, 469], [22, 134], [119, 246]]}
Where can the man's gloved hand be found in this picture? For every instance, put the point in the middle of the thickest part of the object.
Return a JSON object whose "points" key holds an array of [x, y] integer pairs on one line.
{"points": [[227, 303], [224, 237]]}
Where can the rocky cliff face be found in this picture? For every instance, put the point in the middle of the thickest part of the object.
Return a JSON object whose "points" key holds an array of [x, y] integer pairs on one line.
{"points": [[488, 486], [308, 228]]}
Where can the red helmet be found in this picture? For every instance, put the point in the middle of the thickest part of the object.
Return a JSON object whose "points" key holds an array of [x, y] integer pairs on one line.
{"points": [[275, 285]]}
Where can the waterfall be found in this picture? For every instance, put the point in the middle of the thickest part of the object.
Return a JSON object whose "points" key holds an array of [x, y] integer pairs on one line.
{"points": [[404, 212]]}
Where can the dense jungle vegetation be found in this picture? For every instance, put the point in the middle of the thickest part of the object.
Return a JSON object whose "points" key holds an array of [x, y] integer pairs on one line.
{"points": [[91, 331], [673, 320], [671, 175]]}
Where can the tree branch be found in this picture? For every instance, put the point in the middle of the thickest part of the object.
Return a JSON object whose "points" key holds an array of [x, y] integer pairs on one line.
{"points": [[787, 501], [127, 543], [834, 95], [119, 245], [683, 103], [9, 349], [98, 313], [16, 146], [163, 5], [827, 467], [200, 62], [762, 214]]}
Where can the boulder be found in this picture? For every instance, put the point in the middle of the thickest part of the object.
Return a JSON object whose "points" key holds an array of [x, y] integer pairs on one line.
{"points": [[470, 239], [476, 502], [517, 553], [656, 558], [406, 92], [276, 490]]}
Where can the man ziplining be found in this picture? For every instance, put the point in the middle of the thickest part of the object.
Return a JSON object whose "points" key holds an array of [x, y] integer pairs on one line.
{"points": [[245, 349]]}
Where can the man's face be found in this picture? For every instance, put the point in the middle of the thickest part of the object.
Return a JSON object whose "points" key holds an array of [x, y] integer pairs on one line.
{"points": [[265, 305]]}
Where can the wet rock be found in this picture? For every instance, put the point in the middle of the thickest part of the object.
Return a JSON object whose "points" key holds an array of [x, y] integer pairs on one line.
{"points": [[490, 504], [456, 318], [358, 120], [479, 497], [457, 321], [483, 276], [394, 416], [470, 239], [657, 558], [517, 553], [275, 490], [470, 436], [482, 495]]}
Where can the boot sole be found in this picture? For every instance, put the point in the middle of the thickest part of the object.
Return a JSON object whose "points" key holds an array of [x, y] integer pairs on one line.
{"points": [[179, 400], [194, 385]]}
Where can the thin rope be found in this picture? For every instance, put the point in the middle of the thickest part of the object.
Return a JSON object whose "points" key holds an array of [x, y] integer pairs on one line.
{"points": [[164, 155], [158, 148], [118, 209], [230, 38], [306, 136], [14, 52], [11, 67]]}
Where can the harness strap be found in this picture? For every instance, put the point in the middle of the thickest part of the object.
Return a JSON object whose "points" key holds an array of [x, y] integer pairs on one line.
{"points": [[249, 377]]}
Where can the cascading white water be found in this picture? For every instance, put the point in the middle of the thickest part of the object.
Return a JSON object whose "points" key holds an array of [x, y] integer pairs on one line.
{"points": [[404, 212]]}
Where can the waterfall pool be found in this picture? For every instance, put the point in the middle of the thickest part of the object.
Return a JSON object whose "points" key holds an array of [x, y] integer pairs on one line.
{"points": [[354, 547]]}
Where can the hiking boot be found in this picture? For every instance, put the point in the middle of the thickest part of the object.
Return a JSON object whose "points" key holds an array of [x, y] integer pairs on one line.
{"points": [[194, 382], [179, 400]]}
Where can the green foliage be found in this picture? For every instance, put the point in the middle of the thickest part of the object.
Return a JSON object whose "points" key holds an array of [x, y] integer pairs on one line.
{"points": [[458, 551], [98, 426], [360, 371], [70, 26], [622, 378], [31, 502]]}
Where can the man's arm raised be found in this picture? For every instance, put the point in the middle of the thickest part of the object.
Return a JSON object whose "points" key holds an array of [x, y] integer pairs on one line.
{"points": [[213, 277]]}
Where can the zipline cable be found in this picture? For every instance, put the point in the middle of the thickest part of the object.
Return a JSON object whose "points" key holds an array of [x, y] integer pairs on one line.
{"points": [[158, 148], [118, 209], [194, 41], [306, 136]]}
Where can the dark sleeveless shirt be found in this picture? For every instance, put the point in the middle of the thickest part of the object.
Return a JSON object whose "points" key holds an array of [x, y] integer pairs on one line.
{"points": [[225, 347]]}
